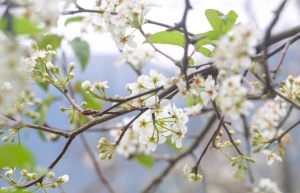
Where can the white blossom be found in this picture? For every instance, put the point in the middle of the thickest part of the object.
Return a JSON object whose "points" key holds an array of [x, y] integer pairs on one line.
{"points": [[232, 98], [271, 157]]}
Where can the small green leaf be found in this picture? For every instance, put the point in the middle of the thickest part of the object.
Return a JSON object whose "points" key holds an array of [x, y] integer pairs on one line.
{"points": [[167, 37], [92, 102], [214, 34], [219, 21], [50, 39], [145, 160], [203, 41], [82, 51], [191, 61], [20, 26], [74, 19], [44, 86], [15, 156], [205, 51]]}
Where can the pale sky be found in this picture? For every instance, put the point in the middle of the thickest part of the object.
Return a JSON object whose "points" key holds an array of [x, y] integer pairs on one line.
{"points": [[258, 11]]}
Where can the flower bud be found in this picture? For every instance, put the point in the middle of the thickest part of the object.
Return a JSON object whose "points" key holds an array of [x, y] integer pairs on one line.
{"points": [[50, 66], [53, 185], [72, 66], [63, 179], [86, 85], [5, 139], [51, 175], [49, 47], [62, 109]]}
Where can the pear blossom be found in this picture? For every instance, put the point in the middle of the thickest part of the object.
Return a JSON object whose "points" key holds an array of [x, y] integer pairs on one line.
{"points": [[178, 135], [271, 157], [28, 64], [193, 110], [100, 84], [232, 98], [6, 86], [191, 175], [209, 91], [137, 57], [86, 85], [129, 144], [266, 185], [234, 51], [151, 140], [269, 114]]}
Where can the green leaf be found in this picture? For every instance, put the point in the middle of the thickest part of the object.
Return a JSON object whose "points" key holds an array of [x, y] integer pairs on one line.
{"points": [[168, 37], [20, 26], [205, 51], [219, 21], [92, 102], [42, 109], [44, 86], [145, 160], [203, 41], [74, 19], [191, 61], [15, 156], [214, 34], [50, 39], [82, 51]]}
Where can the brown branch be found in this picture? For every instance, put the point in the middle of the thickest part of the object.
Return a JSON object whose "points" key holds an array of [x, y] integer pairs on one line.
{"points": [[278, 138], [39, 127], [125, 128], [286, 98], [279, 37], [209, 142], [166, 26], [266, 42], [285, 49]]}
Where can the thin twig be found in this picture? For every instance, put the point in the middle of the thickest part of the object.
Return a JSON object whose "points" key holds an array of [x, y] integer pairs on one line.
{"points": [[278, 138], [96, 165], [267, 37], [284, 51]]}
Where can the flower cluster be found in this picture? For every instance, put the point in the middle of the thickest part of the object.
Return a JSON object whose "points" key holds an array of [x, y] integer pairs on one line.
{"points": [[12, 79], [106, 148], [100, 86], [41, 68], [129, 145], [232, 98], [160, 121], [200, 93], [265, 122], [291, 88], [121, 15], [266, 185], [267, 117], [271, 157], [136, 57], [25, 176], [192, 175], [234, 50], [143, 84], [43, 12]]}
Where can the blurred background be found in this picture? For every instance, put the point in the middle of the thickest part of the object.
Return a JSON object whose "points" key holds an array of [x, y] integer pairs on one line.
{"points": [[128, 176]]}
